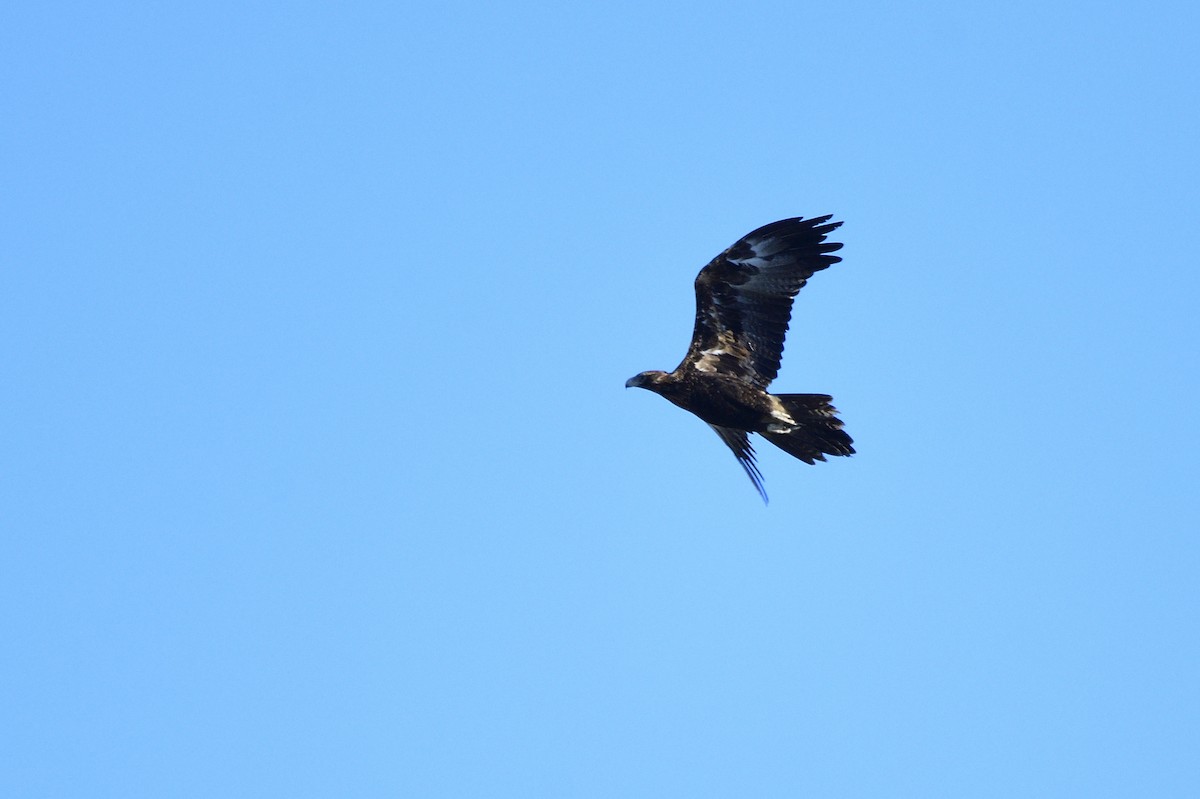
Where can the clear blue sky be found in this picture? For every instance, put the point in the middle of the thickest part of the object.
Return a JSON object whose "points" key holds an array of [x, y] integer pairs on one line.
{"points": [[318, 476]]}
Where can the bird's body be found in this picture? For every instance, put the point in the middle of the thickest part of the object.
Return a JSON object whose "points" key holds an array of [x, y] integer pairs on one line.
{"points": [[743, 306], [718, 399]]}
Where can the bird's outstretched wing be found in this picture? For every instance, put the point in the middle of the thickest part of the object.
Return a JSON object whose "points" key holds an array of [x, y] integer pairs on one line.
{"points": [[739, 442], [744, 298]]}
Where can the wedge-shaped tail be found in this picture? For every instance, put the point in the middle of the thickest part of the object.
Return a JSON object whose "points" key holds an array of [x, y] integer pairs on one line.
{"points": [[818, 431]]}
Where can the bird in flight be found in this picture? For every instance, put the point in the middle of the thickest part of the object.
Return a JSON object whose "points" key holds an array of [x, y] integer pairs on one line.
{"points": [[743, 306]]}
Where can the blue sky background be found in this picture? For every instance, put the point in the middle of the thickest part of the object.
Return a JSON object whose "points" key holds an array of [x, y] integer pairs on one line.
{"points": [[317, 472]]}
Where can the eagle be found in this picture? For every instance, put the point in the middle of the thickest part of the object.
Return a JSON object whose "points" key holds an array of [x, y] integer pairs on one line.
{"points": [[743, 306]]}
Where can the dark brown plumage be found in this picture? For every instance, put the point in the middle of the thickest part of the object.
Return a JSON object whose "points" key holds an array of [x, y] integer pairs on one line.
{"points": [[743, 306]]}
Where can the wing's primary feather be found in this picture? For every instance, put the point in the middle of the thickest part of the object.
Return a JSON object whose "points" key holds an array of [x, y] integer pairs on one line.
{"points": [[739, 442], [744, 297]]}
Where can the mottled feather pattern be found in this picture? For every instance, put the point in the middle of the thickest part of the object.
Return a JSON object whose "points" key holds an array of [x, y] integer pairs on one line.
{"points": [[744, 297]]}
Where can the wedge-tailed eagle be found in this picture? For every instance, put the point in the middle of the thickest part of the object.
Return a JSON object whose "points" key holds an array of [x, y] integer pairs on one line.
{"points": [[743, 306]]}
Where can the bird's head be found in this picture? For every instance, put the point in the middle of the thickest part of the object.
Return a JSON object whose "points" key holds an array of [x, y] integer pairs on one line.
{"points": [[646, 380]]}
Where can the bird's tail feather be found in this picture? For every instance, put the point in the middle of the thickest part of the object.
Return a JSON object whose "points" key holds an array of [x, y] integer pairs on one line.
{"points": [[818, 431]]}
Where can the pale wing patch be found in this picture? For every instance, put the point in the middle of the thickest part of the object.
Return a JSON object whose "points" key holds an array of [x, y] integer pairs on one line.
{"points": [[726, 356], [710, 359]]}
